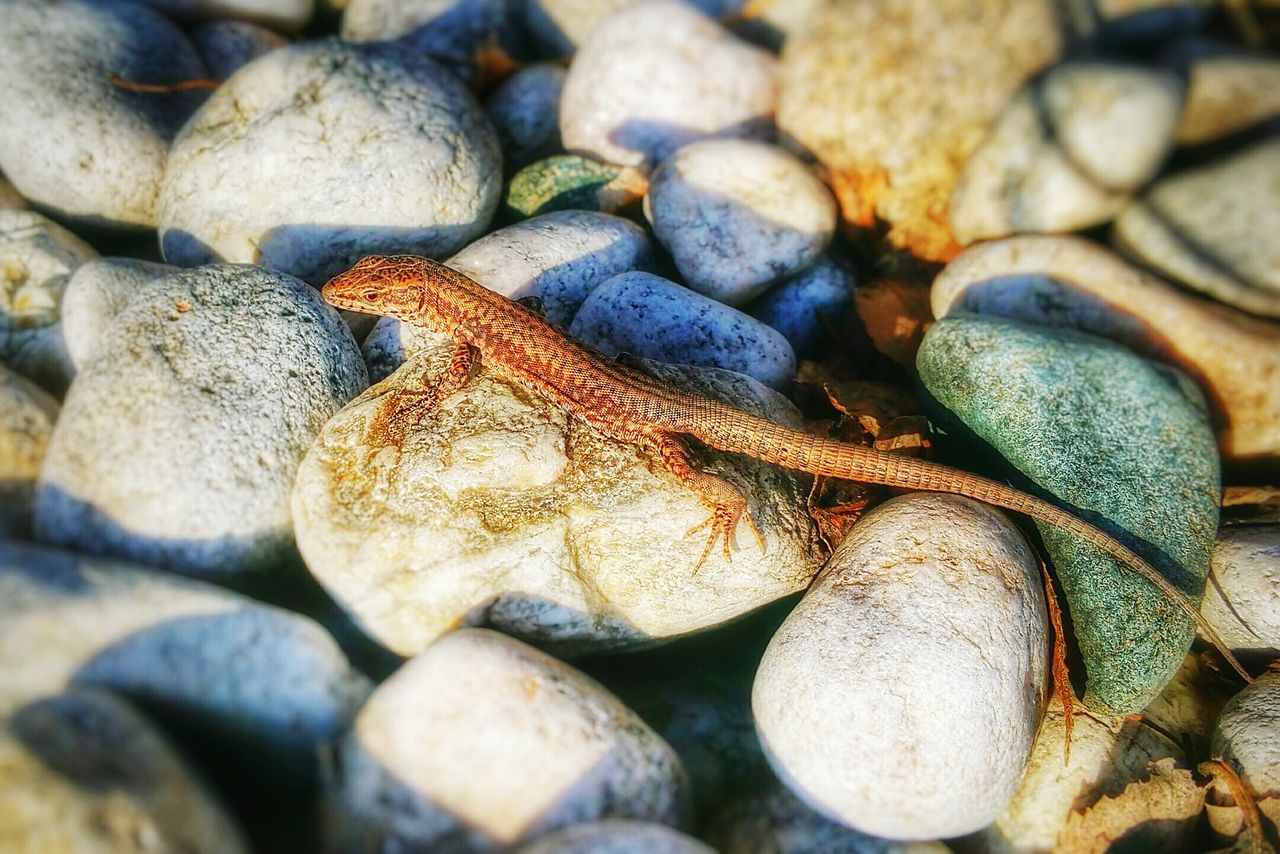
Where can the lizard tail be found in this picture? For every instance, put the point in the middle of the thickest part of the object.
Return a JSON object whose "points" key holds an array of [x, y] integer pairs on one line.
{"points": [[793, 449]]}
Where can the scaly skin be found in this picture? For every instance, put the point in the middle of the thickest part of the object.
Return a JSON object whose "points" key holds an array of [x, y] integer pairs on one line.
{"points": [[634, 408]]}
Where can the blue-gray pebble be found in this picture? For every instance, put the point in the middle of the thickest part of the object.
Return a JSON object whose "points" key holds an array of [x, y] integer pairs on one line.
{"points": [[647, 315], [797, 307], [1104, 430], [525, 110]]}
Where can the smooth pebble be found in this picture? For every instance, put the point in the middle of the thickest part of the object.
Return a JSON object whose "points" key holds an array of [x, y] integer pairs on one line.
{"points": [[27, 415], [808, 307], [287, 15], [227, 45], [98, 291], [1228, 91], [616, 836], [525, 111], [1242, 599], [1248, 737]]}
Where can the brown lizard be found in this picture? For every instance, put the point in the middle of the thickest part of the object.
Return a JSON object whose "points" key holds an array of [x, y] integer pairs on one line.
{"points": [[632, 407]]}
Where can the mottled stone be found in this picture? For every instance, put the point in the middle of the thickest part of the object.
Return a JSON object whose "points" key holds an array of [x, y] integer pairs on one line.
{"points": [[1073, 283], [1213, 229], [1228, 91], [37, 258], [98, 291], [1068, 151], [482, 742], [27, 414], [738, 215], [616, 836], [497, 507], [571, 181], [659, 75], [648, 316], [226, 45], [807, 306], [72, 140], [902, 695], [317, 154], [178, 442], [525, 111], [1098, 429], [1242, 600], [892, 96]]}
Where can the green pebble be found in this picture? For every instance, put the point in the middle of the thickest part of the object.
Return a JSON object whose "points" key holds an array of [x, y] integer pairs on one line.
{"points": [[1097, 428], [566, 182]]}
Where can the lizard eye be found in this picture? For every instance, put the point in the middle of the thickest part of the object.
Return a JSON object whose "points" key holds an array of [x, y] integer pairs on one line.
{"points": [[369, 294]]}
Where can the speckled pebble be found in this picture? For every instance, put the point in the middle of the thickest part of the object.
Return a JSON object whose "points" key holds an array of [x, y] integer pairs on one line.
{"points": [[1068, 151], [37, 258], [1242, 599], [73, 141], [808, 306], [648, 316], [574, 182], [902, 695], [27, 414], [482, 742], [98, 291], [317, 154], [739, 215], [659, 75], [616, 836], [226, 45], [525, 110], [228, 372]]}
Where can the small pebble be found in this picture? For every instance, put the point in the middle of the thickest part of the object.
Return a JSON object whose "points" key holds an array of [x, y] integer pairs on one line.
{"points": [[739, 215], [616, 836], [482, 742], [647, 316], [286, 15], [1229, 91], [226, 45], [1248, 737], [659, 75], [902, 695], [525, 110], [557, 27], [1242, 599], [807, 307], [98, 291], [27, 415], [571, 181]]}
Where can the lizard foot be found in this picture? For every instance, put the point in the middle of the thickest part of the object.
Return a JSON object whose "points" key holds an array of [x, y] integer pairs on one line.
{"points": [[723, 521]]}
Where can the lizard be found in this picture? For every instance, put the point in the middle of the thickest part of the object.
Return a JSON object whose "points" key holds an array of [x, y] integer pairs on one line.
{"points": [[633, 407]]}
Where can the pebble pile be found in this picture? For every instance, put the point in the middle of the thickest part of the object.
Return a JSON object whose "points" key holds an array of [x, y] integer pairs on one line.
{"points": [[240, 612]]}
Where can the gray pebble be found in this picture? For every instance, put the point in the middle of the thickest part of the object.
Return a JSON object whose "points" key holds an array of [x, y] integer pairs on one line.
{"points": [[226, 45], [799, 306], [178, 443], [95, 294], [525, 110], [646, 315]]}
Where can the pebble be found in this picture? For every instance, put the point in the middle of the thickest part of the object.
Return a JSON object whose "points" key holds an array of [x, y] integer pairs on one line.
{"points": [[558, 27], [10, 199], [266, 685], [37, 257], [1213, 229], [287, 15], [84, 771], [647, 316], [482, 742], [227, 45], [317, 154], [177, 444], [98, 291], [902, 694], [1228, 92], [525, 111], [498, 508], [27, 415], [1248, 738], [72, 141], [1099, 429], [894, 118], [806, 307], [1073, 283], [738, 215], [616, 836], [1068, 151], [1242, 599], [659, 75], [571, 181]]}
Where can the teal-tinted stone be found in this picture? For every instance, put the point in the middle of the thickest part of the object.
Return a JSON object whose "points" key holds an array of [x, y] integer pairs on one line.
{"points": [[1098, 429], [573, 182]]}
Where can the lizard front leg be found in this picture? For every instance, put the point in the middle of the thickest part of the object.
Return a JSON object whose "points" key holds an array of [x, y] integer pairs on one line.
{"points": [[389, 423]]}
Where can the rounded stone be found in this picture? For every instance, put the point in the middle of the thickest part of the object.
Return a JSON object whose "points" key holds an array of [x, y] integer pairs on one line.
{"points": [[893, 118], [807, 307], [287, 15], [1228, 91], [738, 215], [317, 154], [1248, 737], [1073, 283], [72, 140], [267, 685], [1242, 599], [98, 291], [1213, 229], [85, 772], [557, 27], [1068, 151], [902, 695], [37, 258], [27, 415], [10, 199], [1092, 426], [482, 742], [525, 110], [574, 182], [229, 373], [645, 315], [496, 507], [659, 75], [227, 45], [616, 836]]}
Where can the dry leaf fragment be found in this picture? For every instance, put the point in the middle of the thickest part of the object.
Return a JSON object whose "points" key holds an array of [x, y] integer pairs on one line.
{"points": [[896, 315], [1250, 838], [1152, 814]]}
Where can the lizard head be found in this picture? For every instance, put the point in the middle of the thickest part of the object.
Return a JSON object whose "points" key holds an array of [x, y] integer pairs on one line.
{"points": [[395, 285]]}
